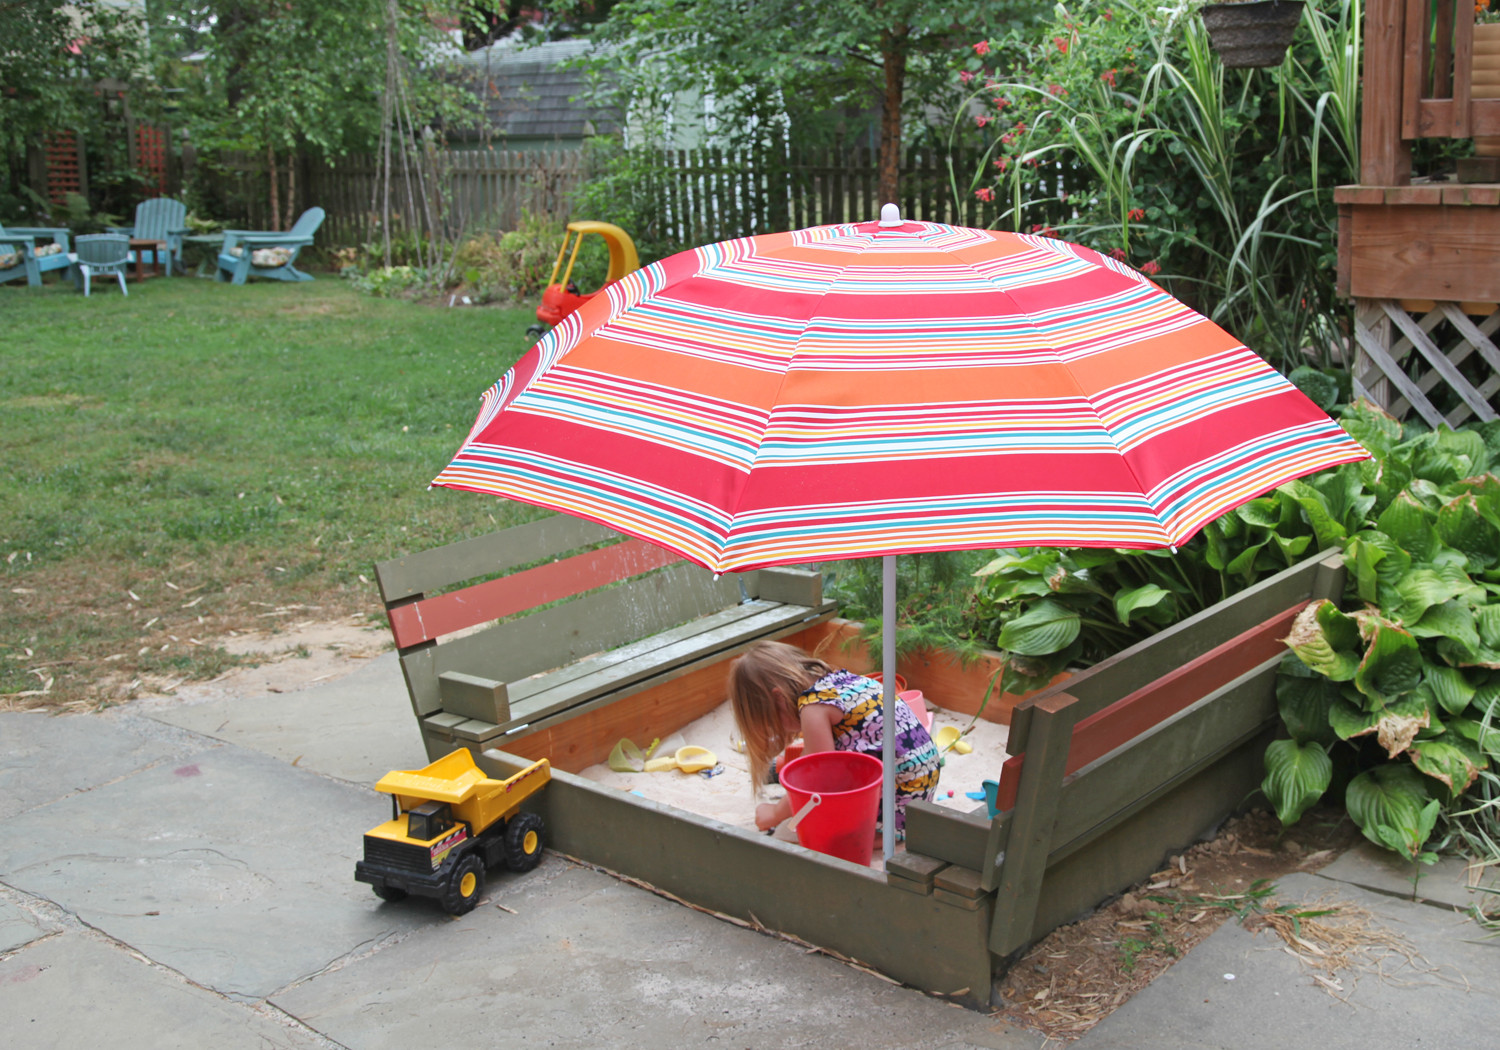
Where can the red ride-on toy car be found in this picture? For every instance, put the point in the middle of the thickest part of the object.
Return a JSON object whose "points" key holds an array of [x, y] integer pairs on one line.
{"points": [[563, 297]]}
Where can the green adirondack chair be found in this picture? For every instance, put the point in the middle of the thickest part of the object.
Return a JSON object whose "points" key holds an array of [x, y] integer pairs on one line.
{"points": [[160, 219], [30, 251], [102, 254], [251, 253]]}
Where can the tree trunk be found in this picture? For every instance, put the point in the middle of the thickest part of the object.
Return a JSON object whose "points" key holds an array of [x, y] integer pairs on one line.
{"points": [[291, 188], [893, 59], [275, 197]]}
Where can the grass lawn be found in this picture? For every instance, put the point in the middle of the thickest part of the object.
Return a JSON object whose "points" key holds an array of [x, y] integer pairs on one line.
{"points": [[200, 458]]}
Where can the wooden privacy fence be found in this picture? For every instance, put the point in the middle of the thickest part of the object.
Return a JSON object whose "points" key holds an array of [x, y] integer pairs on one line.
{"points": [[689, 197]]}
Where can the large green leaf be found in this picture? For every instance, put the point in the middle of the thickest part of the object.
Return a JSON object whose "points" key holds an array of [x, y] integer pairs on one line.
{"points": [[1450, 687], [1424, 587], [1349, 720], [1146, 596], [1296, 777], [1453, 620], [1410, 526], [1304, 700], [1362, 557], [1485, 738], [1326, 640], [1392, 664], [1449, 759], [1326, 527], [1046, 627], [1393, 807], [1461, 526]]}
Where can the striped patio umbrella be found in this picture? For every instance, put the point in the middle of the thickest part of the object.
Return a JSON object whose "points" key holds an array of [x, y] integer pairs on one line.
{"points": [[890, 387]]}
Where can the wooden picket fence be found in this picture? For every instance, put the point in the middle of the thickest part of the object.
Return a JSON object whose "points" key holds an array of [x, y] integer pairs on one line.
{"points": [[692, 196]]}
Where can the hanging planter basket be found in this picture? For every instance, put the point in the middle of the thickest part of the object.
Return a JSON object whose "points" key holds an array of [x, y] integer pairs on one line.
{"points": [[1254, 35]]}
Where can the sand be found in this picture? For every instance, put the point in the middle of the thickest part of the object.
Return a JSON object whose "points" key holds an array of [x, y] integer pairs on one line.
{"points": [[726, 796]]}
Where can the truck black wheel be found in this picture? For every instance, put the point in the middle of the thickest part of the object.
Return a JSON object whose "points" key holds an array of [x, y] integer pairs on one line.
{"points": [[465, 886], [390, 893], [523, 842]]}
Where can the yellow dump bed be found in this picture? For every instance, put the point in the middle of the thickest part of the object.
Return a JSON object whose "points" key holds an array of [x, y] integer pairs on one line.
{"points": [[455, 779]]}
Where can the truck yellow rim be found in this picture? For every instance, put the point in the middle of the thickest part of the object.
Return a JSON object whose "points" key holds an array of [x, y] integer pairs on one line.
{"points": [[467, 883], [530, 843]]}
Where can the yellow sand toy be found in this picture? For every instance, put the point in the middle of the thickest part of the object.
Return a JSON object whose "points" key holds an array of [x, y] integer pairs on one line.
{"points": [[562, 297], [450, 823]]}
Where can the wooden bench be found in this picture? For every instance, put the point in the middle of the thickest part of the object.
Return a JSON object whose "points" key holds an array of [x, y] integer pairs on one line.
{"points": [[561, 617]]}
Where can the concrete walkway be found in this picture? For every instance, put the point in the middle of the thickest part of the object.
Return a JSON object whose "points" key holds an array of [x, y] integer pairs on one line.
{"points": [[180, 874]]}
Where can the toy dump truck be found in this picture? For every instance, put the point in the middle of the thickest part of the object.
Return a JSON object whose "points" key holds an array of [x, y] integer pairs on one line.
{"points": [[450, 823]]}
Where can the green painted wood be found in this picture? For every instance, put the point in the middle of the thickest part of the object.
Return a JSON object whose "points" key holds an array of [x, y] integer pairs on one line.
{"points": [[1032, 822], [593, 623], [474, 697], [1132, 668], [747, 618], [613, 675], [487, 555], [1103, 793], [792, 586], [1138, 846], [960, 880], [914, 866], [947, 834], [781, 886], [658, 676]]}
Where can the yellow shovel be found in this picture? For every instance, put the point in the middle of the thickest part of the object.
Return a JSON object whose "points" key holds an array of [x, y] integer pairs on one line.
{"points": [[690, 759]]}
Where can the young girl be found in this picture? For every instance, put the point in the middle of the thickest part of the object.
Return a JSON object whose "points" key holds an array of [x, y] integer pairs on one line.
{"points": [[778, 692]]}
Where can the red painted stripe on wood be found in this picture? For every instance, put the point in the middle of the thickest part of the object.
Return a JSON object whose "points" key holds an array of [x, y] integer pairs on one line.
{"points": [[1129, 717], [431, 618]]}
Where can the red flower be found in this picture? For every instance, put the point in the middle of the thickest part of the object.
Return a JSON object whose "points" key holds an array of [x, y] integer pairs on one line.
{"points": [[1002, 163], [1109, 14], [1118, 253], [985, 194], [1007, 139], [1042, 230], [1021, 127], [1056, 90], [1061, 43], [965, 75], [981, 120], [1108, 78], [1151, 268], [1136, 214], [982, 48], [1001, 102]]}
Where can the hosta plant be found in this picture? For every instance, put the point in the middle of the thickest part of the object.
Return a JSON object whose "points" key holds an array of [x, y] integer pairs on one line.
{"points": [[1401, 686]]}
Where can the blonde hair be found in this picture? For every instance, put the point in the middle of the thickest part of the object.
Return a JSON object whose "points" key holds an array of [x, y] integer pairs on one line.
{"points": [[763, 688]]}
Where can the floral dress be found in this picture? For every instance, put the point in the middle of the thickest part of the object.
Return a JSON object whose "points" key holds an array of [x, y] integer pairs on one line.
{"points": [[859, 729]]}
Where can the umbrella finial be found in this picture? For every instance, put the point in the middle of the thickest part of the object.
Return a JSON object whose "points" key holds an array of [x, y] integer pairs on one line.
{"points": [[890, 215]]}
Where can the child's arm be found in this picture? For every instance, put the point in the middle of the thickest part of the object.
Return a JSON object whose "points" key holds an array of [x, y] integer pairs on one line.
{"points": [[817, 735]]}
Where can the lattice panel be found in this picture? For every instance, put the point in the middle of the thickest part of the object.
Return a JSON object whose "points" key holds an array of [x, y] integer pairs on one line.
{"points": [[63, 174], [1435, 359], [151, 158]]}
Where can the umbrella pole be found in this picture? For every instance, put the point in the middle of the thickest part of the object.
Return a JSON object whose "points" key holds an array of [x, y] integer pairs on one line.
{"points": [[888, 709]]}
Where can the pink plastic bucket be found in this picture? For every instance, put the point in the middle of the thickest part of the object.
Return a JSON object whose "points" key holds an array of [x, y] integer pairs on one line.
{"points": [[835, 796]]}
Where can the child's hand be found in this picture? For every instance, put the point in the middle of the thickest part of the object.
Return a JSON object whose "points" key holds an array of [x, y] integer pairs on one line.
{"points": [[766, 816]]}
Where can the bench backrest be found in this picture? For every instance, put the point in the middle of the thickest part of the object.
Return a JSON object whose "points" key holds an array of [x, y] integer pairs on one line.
{"points": [[552, 591]]}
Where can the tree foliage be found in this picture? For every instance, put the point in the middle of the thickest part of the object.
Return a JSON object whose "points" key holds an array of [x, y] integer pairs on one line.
{"points": [[776, 63]]}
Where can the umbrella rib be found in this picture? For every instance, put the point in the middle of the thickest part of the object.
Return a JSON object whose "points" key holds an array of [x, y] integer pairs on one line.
{"points": [[1085, 398]]}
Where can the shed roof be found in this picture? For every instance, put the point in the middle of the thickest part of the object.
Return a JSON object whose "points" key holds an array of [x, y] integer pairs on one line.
{"points": [[527, 93]]}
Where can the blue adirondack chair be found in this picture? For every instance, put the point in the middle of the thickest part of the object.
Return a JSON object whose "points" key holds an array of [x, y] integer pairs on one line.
{"points": [[251, 253], [30, 251], [100, 253], [160, 219]]}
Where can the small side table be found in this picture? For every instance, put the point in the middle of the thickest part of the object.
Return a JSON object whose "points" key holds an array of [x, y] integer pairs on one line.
{"points": [[210, 243], [142, 245]]}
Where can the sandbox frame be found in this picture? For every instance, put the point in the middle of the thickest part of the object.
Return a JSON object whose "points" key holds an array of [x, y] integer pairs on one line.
{"points": [[1112, 770]]}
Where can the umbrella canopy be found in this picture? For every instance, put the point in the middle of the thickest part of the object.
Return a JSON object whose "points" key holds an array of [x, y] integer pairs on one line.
{"points": [[854, 390], [884, 388]]}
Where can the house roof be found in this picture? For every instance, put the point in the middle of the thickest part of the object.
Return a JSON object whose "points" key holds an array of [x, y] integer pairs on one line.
{"points": [[527, 93]]}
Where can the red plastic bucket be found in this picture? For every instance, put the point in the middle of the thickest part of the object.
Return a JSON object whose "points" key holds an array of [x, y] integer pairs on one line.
{"points": [[835, 797]]}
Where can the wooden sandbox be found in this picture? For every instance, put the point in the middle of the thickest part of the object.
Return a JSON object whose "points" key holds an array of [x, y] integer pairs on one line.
{"points": [[1113, 768]]}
